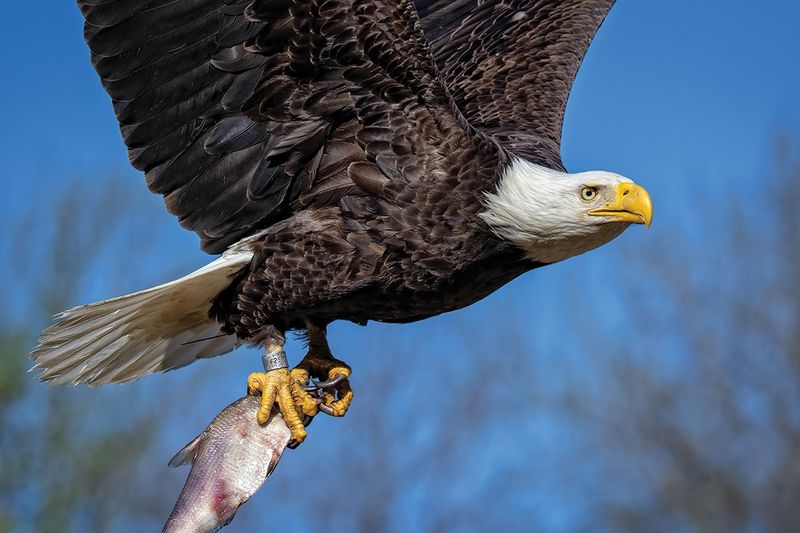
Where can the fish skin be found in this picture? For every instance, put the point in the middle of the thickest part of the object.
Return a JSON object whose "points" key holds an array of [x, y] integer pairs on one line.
{"points": [[230, 461]]}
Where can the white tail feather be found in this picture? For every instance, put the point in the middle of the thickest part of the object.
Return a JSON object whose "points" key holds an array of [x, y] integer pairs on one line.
{"points": [[153, 330]]}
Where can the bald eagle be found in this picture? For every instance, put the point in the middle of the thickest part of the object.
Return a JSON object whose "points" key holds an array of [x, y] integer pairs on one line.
{"points": [[350, 160]]}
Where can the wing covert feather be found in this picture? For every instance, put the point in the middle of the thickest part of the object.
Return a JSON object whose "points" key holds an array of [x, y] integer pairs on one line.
{"points": [[243, 112]]}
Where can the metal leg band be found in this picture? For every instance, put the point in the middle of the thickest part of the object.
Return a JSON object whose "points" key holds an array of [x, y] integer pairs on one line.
{"points": [[274, 361]]}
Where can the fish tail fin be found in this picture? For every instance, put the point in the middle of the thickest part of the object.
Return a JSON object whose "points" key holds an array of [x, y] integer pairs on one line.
{"points": [[153, 330]]}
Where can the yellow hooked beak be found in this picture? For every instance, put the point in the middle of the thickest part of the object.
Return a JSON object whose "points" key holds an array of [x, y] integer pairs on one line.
{"points": [[632, 204]]}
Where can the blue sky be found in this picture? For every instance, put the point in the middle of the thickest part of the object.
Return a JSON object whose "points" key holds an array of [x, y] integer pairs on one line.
{"points": [[679, 95]]}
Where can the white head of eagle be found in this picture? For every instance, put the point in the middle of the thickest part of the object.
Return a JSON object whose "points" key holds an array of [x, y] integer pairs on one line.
{"points": [[555, 215]]}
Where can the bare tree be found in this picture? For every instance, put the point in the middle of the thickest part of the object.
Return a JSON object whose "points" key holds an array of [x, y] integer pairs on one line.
{"points": [[69, 459]]}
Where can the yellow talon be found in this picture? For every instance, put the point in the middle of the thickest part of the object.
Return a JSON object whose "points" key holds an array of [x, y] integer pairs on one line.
{"points": [[333, 392], [302, 398], [343, 391], [278, 386], [300, 375], [339, 370]]}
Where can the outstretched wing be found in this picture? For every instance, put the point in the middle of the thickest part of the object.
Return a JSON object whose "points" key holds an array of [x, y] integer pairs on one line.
{"points": [[510, 64], [243, 111]]}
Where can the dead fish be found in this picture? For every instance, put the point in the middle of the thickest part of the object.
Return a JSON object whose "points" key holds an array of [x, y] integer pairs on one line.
{"points": [[230, 461]]}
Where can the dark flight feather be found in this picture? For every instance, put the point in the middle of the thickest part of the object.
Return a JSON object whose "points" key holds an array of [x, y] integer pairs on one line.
{"points": [[198, 85], [510, 64]]}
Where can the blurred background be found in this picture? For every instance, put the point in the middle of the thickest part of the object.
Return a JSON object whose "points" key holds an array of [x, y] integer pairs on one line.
{"points": [[651, 385]]}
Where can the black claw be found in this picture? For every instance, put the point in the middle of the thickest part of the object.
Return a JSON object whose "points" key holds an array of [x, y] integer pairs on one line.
{"points": [[327, 409], [338, 378]]}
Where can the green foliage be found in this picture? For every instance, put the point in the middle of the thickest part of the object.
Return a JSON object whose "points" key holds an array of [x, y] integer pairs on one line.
{"points": [[13, 384]]}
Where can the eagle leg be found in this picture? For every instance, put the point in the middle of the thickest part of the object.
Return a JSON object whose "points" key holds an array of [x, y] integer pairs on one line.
{"points": [[333, 387], [278, 385]]}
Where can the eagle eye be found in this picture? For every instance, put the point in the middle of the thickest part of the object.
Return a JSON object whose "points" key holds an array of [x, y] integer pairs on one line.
{"points": [[588, 193]]}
